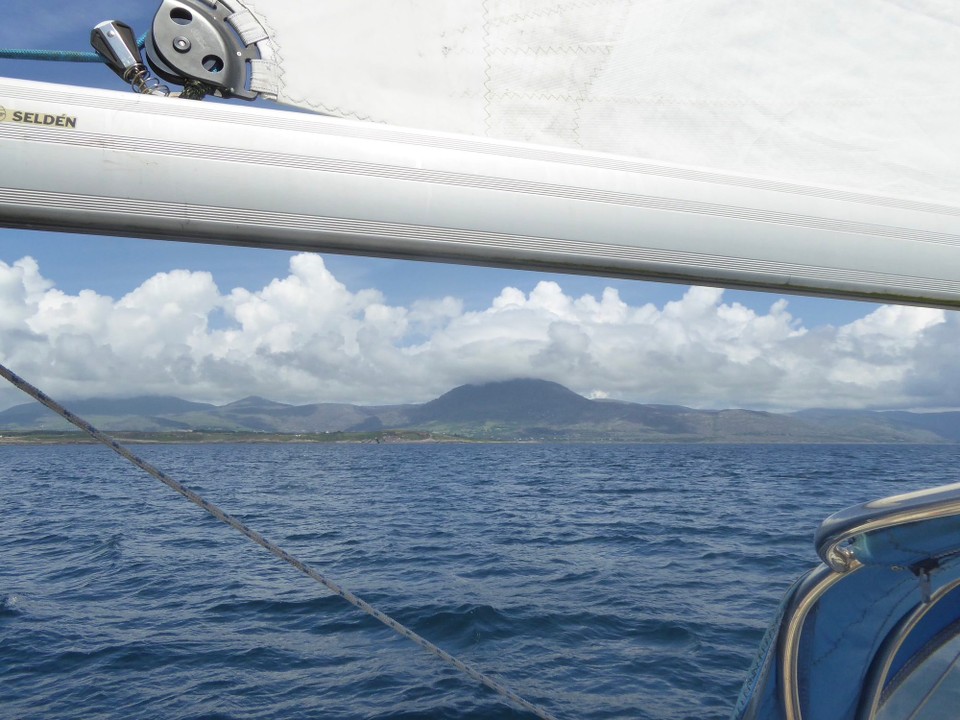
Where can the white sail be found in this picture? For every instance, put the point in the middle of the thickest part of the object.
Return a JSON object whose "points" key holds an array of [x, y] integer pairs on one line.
{"points": [[860, 94], [805, 149]]}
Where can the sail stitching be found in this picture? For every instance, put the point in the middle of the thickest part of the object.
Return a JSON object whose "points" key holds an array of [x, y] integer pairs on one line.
{"points": [[586, 92], [572, 49], [487, 69], [557, 9], [265, 71]]}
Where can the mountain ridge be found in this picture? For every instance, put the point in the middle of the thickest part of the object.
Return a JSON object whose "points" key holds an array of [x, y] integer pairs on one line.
{"points": [[509, 410]]}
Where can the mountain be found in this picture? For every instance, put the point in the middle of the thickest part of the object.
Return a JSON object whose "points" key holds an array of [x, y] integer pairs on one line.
{"points": [[541, 410], [523, 409], [525, 401], [943, 424], [935, 427], [253, 404], [146, 413]]}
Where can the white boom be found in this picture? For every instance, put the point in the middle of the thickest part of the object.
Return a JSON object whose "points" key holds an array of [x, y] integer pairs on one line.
{"points": [[100, 162]]}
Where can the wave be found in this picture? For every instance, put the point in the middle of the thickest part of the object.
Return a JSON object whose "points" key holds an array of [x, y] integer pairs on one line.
{"points": [[643, 595], [11, 606]]}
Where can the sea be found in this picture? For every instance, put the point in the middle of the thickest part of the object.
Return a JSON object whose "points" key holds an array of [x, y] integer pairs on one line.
{"points": [[597, 581]]}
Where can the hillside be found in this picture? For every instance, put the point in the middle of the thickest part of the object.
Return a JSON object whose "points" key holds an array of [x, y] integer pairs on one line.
{"points": [[510, 410]]}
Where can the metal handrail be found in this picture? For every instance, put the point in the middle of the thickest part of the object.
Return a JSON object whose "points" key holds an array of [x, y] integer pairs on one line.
{"points": [[838, 531], [834, 543]]}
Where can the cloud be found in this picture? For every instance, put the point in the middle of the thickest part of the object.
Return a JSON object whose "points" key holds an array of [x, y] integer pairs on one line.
{"points": [[306, 337]]}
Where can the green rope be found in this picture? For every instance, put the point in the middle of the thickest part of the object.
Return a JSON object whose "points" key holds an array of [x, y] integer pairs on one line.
{"points": [[51, 55], [60, 55]]}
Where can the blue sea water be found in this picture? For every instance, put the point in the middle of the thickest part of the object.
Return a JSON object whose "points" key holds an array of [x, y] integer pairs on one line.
{"points": [[600, 581]]}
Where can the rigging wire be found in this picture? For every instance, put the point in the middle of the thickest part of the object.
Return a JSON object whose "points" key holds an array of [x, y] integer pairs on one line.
{"points": [[259, 539]]}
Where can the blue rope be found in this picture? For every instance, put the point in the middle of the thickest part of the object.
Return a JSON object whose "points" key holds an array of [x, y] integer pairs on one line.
{"points": [[60, 55], [51, 55]]}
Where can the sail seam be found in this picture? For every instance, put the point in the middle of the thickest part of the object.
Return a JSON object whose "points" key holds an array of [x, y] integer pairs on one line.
{"points": [[577, 49], [487, 69], [266, 70], [586, 90], [557, 9]]}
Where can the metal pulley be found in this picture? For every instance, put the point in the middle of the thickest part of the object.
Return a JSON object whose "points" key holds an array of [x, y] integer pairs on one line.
{"points": [[117, 45], [191, 43]]}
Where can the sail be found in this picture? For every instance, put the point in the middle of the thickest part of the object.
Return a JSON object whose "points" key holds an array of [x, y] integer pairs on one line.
{"points": [[858, 94], [793, 147]]}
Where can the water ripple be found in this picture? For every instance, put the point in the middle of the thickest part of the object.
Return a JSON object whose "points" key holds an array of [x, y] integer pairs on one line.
{"points": [[602, 581]]}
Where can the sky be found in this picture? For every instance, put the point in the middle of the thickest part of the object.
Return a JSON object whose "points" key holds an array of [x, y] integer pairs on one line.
{"points": [[84, 316]]}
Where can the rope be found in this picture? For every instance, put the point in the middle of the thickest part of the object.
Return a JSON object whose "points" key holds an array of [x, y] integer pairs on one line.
{"points": [[60, 55], [51, 55], [260, 540]]}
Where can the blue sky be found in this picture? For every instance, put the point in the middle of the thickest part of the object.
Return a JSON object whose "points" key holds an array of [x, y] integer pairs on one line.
{"points": [[434, 325]]}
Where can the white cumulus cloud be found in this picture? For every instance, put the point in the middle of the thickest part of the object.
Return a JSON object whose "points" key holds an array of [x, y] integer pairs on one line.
{"points": [[306, 337]]}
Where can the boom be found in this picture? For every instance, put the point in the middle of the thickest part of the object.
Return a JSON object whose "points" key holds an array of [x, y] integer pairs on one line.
{"points": [[92, 161]]}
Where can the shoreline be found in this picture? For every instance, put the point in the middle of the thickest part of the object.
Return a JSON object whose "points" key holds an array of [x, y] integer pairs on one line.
{"points": [[215, 437], [404, 437]]}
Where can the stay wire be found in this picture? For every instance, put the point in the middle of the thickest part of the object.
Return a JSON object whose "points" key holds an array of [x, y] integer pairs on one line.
{"points": [[260, 540]]}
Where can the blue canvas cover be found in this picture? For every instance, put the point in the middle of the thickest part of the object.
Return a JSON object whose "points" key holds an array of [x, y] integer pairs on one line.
{"points": [[856, 631]]}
